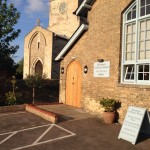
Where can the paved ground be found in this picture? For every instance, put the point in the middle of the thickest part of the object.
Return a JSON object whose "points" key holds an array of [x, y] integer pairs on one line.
{"points": [[26, 131], [66, 113]]}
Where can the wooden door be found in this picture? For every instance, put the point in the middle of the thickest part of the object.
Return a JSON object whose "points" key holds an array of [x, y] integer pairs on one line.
{"points": [[73, 84]]}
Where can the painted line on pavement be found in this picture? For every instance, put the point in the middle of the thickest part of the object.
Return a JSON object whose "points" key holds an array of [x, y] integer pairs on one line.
{"points": [[43, 134], [7, 114], [8, 137], [25, 129], [40, 137]]}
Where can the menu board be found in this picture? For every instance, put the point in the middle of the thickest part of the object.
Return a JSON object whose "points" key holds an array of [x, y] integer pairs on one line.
{"points": [[132, 124]]}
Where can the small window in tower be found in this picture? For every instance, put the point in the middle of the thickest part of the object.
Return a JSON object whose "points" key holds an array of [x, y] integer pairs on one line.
{"points": [[38, 45]]}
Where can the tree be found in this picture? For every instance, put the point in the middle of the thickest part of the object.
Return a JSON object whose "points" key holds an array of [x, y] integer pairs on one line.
{"points": [[8, 19], [33, 81], [19, 69]]}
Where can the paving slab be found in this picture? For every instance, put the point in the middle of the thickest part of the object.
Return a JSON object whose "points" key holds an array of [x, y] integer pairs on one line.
{"points": [[66, 112]]}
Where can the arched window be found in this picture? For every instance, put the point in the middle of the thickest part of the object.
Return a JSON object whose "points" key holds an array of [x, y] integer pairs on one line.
{"points": [[136, 43], [39, 68]]}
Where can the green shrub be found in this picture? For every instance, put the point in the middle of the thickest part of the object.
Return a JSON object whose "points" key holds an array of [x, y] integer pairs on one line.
{"points": [[11, 96], [109, 104]]}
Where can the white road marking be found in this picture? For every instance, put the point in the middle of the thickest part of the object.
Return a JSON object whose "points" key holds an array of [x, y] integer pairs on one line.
{"points": [[26, 129], [65, 130], [41, 136], [59, 138], [8, 137], [12, 113]]}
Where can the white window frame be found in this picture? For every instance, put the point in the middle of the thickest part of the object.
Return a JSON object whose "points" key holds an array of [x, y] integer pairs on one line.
{"points": [[135, 62]]}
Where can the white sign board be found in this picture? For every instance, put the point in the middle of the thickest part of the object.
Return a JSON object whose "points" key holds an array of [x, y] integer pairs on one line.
{"points": [[132, 124], [102, 69]]}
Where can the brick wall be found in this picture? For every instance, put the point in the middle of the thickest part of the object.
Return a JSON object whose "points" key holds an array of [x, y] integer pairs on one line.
{"points": [[102, 40]]}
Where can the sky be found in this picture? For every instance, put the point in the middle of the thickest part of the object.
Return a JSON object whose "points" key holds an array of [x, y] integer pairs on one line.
{"points": [[30, 10]]}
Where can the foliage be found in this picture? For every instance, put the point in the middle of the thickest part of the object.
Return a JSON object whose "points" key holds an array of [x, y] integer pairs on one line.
{"points": [[109, 104], [19, 69], [12, 95], [33, 81], [7, 67], [8, 19]]}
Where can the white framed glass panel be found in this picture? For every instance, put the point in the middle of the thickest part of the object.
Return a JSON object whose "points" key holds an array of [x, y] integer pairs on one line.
{"points": [[128, 56], [128, 38], [148, 24], [148, 34], [148, 54], [129, 72], [142, 36], [147, 2], [142, 25], [131, 14], [143, 72], [129, 28], [143, 3], [130, 41], [136, 43], [133, 56], [142, 45], [147, 9], [128, 49], [133, 46], [142, 55], [148, 45]]}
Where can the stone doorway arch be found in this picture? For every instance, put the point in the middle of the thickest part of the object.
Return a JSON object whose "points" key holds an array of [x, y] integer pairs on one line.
{"points": [[39, 68]]}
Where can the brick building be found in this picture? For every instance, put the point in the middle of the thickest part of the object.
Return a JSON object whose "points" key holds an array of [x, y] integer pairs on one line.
{"points": [[108, 56]]}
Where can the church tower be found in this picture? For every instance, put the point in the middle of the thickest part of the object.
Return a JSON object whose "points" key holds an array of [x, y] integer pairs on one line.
{"points": [[41, 45], [62, 20]]}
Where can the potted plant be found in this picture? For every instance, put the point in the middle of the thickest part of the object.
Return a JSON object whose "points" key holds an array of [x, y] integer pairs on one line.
{"points": [[110, 107]]}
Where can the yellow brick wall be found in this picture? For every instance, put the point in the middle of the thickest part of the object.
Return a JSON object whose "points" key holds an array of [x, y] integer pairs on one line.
{"points": [[102, 40]]}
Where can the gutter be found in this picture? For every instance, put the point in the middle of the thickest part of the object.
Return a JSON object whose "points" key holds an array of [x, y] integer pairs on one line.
{"points": [[86, 4], [72, 40]]}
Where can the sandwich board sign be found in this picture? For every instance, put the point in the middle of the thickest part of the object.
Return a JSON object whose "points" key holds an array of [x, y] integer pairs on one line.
{"points": [[137, 120]]}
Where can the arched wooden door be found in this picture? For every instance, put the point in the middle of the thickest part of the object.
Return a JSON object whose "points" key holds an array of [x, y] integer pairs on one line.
{"points": [[73, 84]]}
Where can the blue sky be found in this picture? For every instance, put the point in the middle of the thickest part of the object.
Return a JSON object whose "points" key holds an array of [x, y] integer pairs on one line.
{"points": [[30, 10]]}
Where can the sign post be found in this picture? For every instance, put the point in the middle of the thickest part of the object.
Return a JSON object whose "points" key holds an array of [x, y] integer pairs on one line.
{"points": [[133, 122]]}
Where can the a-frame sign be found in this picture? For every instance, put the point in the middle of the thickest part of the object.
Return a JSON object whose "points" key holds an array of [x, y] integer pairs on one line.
{"points": [[137, 120]]}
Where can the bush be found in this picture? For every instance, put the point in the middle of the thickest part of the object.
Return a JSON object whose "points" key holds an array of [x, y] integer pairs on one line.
{"points": [[12, 95], [109, 104]]}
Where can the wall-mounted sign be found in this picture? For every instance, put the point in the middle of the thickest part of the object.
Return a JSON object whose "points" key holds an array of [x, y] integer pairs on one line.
{"points": [[102, 69], [136, 120]]}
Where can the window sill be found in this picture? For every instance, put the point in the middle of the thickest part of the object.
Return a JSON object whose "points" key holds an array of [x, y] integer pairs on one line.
{"points": [[131, 85]]}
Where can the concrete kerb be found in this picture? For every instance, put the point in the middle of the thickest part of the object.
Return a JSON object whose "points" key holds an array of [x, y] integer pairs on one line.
{"points": [[49, 116], [14, 108]]}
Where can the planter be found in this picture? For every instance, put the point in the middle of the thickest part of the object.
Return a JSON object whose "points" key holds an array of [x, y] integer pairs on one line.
{"points": [[109, 117]]}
